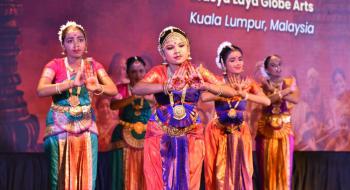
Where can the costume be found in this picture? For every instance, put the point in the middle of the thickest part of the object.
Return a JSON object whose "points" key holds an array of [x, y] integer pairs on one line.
{"points": [[128, 141], [71, 133], [275, 143], [174, 144], [228, 143]]}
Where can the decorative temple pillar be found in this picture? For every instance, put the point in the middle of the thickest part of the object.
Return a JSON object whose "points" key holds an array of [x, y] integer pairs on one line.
{"points": [[19, 130]]}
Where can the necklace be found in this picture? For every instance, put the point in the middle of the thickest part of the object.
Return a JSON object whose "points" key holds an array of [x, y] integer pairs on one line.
{"points": [[136, 107], [232, 112], [277, 87], [179, 110], [73, 100]]}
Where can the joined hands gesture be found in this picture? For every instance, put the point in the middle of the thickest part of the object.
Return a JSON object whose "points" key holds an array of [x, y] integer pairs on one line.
{"points": [[240, 85], [186, 75]]}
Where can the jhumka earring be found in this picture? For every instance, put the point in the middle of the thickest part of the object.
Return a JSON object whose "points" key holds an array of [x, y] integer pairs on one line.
{"points": [[189, 57], [86, 51], [223, 67], [63, 53], [164, 62]]}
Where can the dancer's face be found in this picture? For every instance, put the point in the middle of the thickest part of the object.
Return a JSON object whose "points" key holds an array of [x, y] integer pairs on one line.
{"points": [[234, 62], [136, 72], [176, 49], [274, 67], [74, 43], [103, 109]]}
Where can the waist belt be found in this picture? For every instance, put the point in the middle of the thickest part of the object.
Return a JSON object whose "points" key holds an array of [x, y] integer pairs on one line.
{"points": [[138, 127], [74, 111]]}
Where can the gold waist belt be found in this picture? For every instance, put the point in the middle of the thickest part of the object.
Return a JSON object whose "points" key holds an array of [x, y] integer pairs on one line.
{"points": [[138, 127], [230, 128], [74, 111], [277, 120], [173, 131]]}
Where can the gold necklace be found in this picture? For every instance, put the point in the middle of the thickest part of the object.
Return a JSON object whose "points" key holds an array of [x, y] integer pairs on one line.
{"points": [[277, 87], [73, 100], [232, 112], [179, 111]]}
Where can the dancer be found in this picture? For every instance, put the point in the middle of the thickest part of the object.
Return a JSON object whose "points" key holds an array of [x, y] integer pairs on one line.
{"points": [[228, 143], [275, 139], [174, 146], [128, 136], [71, 132]]}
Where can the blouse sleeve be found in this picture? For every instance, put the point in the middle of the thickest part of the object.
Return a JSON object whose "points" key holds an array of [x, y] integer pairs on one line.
{"points": [[254, 87], [288, 81], [50, 70], [155, 75], [209, 76], [98, 68]]}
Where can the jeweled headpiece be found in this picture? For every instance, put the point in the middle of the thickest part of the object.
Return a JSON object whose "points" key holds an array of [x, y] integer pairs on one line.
{"points": [[67, 25], [167, 33]]}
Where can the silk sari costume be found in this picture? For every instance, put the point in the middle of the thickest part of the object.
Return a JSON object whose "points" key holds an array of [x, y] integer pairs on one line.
{"points": [[174, 148], [71, 140], [228, 143], [128, 141], [275, 143]]}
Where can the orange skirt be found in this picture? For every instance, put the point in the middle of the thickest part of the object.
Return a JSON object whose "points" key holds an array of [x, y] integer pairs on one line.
{"points": [[228, 160], [153, 162]]}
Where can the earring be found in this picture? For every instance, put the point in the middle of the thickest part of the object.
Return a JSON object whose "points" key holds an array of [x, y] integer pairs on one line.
{"points": [[86, 51], [189, 57], [223, 67], [224, 71], [63, 53], [164, 62]]}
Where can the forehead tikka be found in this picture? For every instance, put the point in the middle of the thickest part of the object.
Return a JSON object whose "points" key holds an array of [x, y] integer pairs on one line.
{"points": [[174, 35]]}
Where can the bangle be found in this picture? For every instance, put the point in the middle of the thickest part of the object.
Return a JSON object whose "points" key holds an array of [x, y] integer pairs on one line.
{"points": [[280, 95], [220, 91], [70, 83], [101, 91], [58, 90], [246, 96], [165, 88]]}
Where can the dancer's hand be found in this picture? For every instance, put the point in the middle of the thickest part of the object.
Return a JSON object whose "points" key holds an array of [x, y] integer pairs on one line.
{"points": [[92, 84], [79, 79], [267, 85], [178, 81], [195, 79]]}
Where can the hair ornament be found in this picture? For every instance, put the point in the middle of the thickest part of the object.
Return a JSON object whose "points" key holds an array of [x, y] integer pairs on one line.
{"points": [[263, 72], [164, 34], [65, 26], [219, 60]]}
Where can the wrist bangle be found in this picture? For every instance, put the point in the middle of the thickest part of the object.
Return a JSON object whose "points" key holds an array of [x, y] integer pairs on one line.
{"points": [[165, 88], [101, 91], [58, 90], [246, 96], [220, 91], [280, 95], [71, 83]]}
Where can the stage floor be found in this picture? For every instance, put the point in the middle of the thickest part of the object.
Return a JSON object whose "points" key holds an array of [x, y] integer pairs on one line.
{"points": [[311, 171]]}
